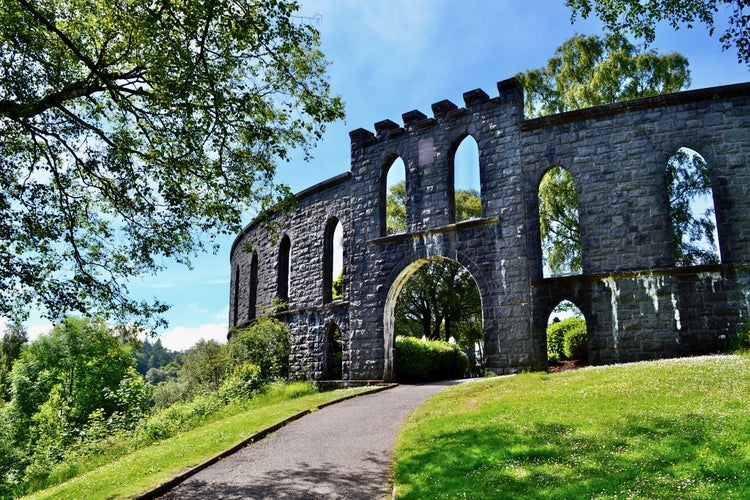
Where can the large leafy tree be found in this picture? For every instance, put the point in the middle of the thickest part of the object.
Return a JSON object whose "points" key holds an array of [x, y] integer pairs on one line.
{"points": [[588, 71], [134, 132], [641, 18]]}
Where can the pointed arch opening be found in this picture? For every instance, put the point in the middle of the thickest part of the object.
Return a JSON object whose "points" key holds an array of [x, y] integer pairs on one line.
{"points": [[333, 355], [253, 288], [567, 337], [695, 237], [434, 299], [284, 269], [333, 260], [466, 200], [558, 224], [393, 198]]}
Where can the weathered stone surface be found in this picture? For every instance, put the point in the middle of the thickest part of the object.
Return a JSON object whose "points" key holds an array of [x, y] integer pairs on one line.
{"points": [[636, 303]]}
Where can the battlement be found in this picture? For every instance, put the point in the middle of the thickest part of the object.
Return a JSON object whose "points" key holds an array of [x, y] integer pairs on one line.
{"points": [[510, 93]]}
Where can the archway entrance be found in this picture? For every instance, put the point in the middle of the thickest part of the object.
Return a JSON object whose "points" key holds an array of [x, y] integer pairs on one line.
{"points": [[434, 299], [567, 337]]}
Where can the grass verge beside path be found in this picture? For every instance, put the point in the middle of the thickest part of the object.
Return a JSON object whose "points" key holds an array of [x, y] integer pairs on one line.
{"points": [[664, 429], [148, 467]]}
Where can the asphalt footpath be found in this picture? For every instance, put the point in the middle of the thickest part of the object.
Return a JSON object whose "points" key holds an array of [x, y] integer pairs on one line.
{"points": [[341, 451]]}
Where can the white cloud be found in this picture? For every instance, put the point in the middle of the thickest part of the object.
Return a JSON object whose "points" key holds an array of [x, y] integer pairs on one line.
{"points": [[181, 338]]}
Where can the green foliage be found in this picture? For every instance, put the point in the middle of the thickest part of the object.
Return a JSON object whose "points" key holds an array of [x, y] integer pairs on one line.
{"points": [[642, 18], [395, 209], [419, 361], [153, 356], [576, 342], [243, 382], [665, 429], [137, 132], [556, 334], [688, 178], [440, 300], [266, 344], [592, 70], [468, 205], [338, 287], [204, 366], [78, 361], [13, 340], [558, 222]]}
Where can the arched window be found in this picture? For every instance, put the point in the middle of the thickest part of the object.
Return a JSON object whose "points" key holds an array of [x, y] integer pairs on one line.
{"points": [[567, 335], [332, 369], [467, 203], [333, 259], [393, 199], [691, 210], [284, 269], [253, 288], [558, 224], [236, 312]]}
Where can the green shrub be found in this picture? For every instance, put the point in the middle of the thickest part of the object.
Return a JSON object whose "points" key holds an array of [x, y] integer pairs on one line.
{"points": [[242, 383], [576, 343], [265, 343], [556, 337], [420, 361], [741, 344]]}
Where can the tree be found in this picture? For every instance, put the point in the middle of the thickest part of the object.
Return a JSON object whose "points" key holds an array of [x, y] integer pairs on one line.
{"points": [[395, 209], [440, 301], [136, 132], [11, 344], [69, 371], [558, 222], [693, 239], [588, 71], [640, 18], [592, 70]]}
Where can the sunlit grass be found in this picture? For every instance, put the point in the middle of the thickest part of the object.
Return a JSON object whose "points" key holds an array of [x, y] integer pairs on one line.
{"points": [[137, 472], [666, 429]]}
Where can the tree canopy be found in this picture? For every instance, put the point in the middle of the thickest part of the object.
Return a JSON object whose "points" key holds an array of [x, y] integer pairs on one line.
{"points": [[641, 18], [589, 70], [558, 222], [135, 132]]}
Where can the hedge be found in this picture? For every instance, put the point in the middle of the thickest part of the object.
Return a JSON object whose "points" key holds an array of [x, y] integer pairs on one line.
{"points": [[419, 360]]}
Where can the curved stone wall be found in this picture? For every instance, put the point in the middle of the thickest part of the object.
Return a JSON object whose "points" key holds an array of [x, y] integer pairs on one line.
{"points": [[637, 304]]}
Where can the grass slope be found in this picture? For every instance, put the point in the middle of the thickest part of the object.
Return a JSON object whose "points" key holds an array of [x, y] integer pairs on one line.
{"points": [[664, 429], [146, 468]]}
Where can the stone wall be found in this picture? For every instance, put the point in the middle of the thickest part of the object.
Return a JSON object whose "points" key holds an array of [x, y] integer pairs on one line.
{"points": [[636, 303]]}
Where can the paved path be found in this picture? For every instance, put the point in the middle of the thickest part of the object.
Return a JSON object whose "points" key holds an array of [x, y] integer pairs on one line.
{"points": [[342, 451]]}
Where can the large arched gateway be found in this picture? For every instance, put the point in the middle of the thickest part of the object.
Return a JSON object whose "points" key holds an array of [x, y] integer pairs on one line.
{"points": [[638, 300]]}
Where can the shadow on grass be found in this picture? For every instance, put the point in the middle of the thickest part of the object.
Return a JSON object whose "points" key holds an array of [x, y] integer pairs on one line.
{"points": [[638, 456]]}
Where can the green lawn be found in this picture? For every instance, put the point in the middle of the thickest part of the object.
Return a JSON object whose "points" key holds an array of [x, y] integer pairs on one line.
{"points": [[665, 429], [148, 467]]}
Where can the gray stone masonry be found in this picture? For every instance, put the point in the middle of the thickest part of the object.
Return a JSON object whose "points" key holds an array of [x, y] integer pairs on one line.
{"points": [[637, 304]]}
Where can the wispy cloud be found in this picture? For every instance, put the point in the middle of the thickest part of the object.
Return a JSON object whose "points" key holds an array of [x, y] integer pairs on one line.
{"points": [[181, 338]]}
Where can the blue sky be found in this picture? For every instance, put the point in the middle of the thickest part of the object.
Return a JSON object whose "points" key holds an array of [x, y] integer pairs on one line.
{"points": [[392, 56]]}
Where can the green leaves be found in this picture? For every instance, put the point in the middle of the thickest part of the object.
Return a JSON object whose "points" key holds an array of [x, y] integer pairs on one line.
{"points": [[135, 131], [641, 18], [558, 222], [592, 70]]}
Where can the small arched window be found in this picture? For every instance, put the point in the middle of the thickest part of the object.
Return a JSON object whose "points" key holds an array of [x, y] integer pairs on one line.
{"points": [[558, 224], [691, 210], [332, 368], [467, 202], [393, 199]]}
